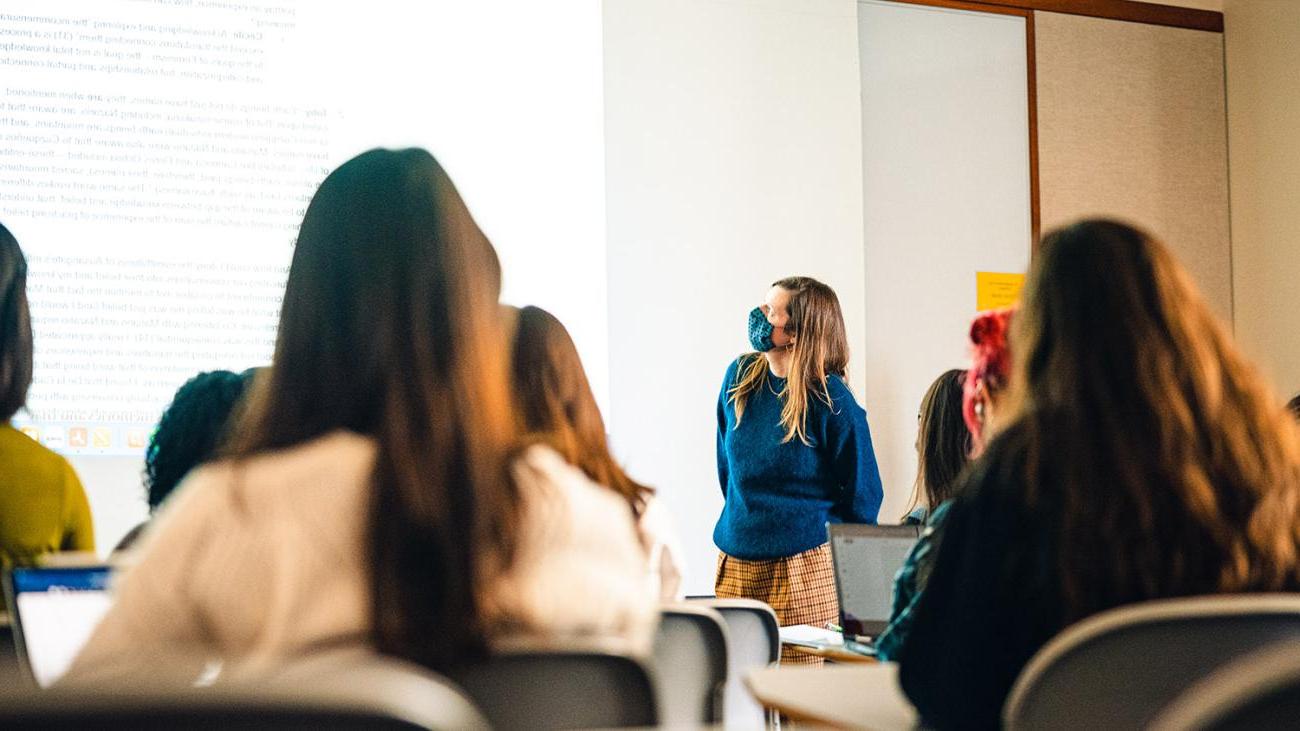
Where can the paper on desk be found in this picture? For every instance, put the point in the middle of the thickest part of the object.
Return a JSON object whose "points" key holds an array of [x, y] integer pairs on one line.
{"points": [[810, 636]]}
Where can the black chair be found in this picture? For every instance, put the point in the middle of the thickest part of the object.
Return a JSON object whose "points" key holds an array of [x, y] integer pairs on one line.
{"points": [[1119, 669], [360, 692], [561, 689], [690, 665]]}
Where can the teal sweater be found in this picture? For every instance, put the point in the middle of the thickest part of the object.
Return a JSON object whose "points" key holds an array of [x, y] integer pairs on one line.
{"points": [[780, 495]]}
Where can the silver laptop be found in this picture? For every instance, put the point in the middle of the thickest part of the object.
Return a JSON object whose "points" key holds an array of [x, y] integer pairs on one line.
{"points": [[866, 558], [53, 611]]}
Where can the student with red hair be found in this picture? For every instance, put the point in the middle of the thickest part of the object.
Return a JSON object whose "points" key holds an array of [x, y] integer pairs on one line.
{"points": [[988, 375], [982, 387]]}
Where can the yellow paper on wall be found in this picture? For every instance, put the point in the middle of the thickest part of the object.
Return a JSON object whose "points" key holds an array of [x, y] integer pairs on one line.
{"points": [[994, 290]]}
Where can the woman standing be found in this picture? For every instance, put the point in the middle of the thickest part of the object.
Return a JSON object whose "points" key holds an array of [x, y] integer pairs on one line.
{"points": [[794, 453]]}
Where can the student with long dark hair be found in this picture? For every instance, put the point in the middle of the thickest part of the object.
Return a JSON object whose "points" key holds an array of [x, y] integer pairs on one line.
{"points": [[943, 446], [794, 453], [43, 508], [558, 408], [1138, 456], [943, 443], [375, 495]]}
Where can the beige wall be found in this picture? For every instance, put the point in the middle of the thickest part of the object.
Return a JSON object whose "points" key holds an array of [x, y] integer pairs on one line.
{"points": [[1263, 63], [1131, 124]]}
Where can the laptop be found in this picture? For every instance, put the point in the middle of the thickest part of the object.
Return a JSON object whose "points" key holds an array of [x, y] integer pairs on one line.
{"points": [[53, 611], [866, 558]]}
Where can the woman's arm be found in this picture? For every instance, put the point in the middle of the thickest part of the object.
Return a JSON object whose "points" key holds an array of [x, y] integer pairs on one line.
{"points": [[579, 570], [78, 527], [852, 456], [153, 621]]}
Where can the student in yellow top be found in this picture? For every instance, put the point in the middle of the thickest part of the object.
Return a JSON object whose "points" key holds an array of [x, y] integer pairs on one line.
{"points": [[43, 507]]}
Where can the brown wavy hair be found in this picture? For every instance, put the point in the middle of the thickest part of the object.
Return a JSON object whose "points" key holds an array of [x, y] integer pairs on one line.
{"points": [[389, 329], [820, 350], [556, 405], [1176, 471]]}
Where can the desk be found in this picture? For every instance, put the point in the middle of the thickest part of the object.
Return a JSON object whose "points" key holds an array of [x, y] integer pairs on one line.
{"points": [[834, 654], [851, 697]]}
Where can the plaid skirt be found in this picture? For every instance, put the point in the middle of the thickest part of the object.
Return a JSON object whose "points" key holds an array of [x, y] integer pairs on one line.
{"points": [[799, 588]]}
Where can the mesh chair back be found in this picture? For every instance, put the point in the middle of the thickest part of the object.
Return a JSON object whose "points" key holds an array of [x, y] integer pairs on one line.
{"points": [[561, 690], [362, 693], [753, 643], [1119, 668], [1258, 691], [690, 665]]}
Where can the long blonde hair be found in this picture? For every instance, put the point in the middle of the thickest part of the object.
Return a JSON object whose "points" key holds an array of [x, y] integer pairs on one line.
{"points": [[1140, 422], [820, 350]]}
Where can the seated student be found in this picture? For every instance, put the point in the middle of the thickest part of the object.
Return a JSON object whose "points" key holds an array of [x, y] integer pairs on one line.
{"points": [[188, 434], [557, 408], [375, 496], [43, 508], [943, 448], [1099, 488], [974, 398]]}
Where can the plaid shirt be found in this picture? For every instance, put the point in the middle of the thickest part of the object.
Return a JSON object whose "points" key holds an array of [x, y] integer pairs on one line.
{"points": [[908, 585]]}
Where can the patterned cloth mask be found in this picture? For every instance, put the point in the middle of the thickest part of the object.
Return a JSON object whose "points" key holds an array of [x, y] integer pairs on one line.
{"points": [[760, 331]]}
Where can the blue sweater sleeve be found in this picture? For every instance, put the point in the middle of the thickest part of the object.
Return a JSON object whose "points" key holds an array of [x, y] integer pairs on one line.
{"points": [[852, 457]]}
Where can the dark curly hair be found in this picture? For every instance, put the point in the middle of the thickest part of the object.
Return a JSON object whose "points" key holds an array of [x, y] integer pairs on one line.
{"points": [[191, 429]]}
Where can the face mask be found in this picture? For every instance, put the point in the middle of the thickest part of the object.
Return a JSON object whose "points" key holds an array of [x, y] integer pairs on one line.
{"points": [[760, 331]]}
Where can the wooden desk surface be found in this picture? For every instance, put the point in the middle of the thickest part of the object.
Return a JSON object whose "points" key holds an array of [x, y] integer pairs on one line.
{"points": [[836, 654], [845, 696]]}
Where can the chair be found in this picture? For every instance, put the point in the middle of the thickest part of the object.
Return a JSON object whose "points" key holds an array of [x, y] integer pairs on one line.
{"points": [[753, 642], [1119, 668], [1258, 691], [366, 693], [561, 689], [9, 667], [690, 665]]}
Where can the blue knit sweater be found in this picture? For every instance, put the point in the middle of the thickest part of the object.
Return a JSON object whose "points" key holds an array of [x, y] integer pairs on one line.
{"points": [[779, 497]]}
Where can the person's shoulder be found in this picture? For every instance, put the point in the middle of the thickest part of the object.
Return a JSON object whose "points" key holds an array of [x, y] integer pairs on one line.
{"points": [[844, 403], [337, 458], [738, 364], [997, 477], [542, 474], [37, 462]]}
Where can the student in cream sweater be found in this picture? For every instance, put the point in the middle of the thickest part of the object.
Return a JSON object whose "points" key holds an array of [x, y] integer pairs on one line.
{"points": [[374, 493]]}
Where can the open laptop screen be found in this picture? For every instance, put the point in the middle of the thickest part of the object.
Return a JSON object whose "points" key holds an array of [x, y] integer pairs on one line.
{"points": [[866, 558], [54, 611]]}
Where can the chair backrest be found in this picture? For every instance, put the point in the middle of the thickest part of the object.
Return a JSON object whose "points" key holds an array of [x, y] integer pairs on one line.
{"points": [[1119, 668], [690, 665], [365, 693], [1258, 691], [561, 689], [753, 643], [9, 667]]}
